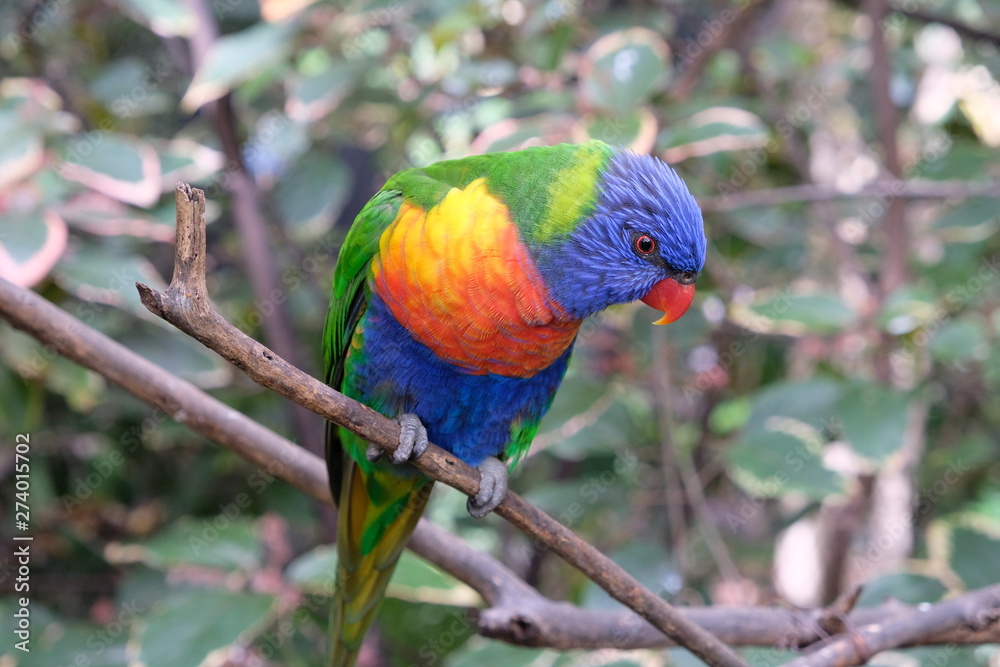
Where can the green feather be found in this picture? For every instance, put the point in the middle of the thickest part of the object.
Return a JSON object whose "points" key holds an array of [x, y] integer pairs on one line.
{"points": [[567, 174], [547, 191], [347, 305]]}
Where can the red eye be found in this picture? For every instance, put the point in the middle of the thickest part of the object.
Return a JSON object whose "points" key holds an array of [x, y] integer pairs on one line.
{"points": [[645, 244]]}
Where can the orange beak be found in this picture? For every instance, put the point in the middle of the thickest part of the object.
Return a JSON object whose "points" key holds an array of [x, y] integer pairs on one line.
{"points": [[671, 297]]}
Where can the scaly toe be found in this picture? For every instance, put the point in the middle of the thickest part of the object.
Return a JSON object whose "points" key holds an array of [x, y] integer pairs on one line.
{"points": [[412, 439], [373, 453], [492, 488]]}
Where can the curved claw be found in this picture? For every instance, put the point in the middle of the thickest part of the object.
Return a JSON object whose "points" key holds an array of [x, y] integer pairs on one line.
{"points": [[492, 488], [412, 441]]}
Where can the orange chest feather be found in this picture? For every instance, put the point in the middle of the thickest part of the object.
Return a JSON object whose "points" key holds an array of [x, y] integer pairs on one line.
{"points": [[459, 280]]}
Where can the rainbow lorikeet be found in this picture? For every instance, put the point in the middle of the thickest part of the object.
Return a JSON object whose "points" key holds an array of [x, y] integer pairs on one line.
{"points": [[456, 298]]}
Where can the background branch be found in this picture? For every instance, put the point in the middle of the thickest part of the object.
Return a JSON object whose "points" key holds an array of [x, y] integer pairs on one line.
{"points": [[813, 192], [186, 305], [248, 217], [516, 613], [735, 25]]}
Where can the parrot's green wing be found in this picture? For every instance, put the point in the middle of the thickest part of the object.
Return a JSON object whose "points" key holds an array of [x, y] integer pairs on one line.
{"points": [[347, 304]]}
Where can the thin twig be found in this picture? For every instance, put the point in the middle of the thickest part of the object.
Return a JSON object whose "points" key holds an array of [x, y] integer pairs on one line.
{"points": [[972, 611], [539, 621], [686, 472], [186, 305], [673, 487], [896, 250], [963, 29], [735, 23], [881, 190]]}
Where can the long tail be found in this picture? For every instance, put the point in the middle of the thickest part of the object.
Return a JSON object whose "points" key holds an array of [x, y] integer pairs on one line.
{"points": [[378, 511]]}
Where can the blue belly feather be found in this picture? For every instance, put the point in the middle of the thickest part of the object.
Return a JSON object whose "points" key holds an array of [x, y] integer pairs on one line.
{"points": [[471, 416]]}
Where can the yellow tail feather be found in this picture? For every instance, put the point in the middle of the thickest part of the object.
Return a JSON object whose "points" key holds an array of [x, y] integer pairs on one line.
{"points": [[377, 514]]}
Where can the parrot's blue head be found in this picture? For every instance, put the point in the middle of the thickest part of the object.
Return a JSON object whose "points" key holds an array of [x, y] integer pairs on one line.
{"points": [[645, 239]]}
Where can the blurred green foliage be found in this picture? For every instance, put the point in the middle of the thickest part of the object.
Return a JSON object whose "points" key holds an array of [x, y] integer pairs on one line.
{"points": [[793, 387]]}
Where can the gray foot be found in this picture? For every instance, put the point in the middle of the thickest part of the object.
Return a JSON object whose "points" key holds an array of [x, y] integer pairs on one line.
{"points": [[412, 441], [492, 488]]}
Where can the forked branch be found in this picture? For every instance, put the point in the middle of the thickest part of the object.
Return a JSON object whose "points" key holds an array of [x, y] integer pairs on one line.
{"points": [[186, 305]]}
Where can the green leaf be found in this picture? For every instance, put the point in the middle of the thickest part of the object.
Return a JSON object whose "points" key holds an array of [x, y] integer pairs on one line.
{"points": [[479, 651], [577, 395], [966, 160], [21, 148], [217, 542], [907, 309], [102, 274], [960, 340], [874, 419], [903, 587], [165, 17], [188, 625], [517, 133], [185, 160], [129, 88], [975, 553], [622, 69], [179, 355], [647, 561], [315, 570], [634, 129], [821, 313], [989, 505], [418, 581], [729, 416], [61, 641], [716, 129], [31, 243], [236, 58], [317, 94], [812, 402], [311, 195], [776, 463], [99, 214], [121, 167], [610, 424], [971, 221]]}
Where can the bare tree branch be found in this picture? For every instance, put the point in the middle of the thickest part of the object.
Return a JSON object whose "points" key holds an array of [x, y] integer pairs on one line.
{"points": [[896, 250], [687, 474], [735, 22], [963, 29], [800, 194], [973, 611], [186, 305], [517, 613]]}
